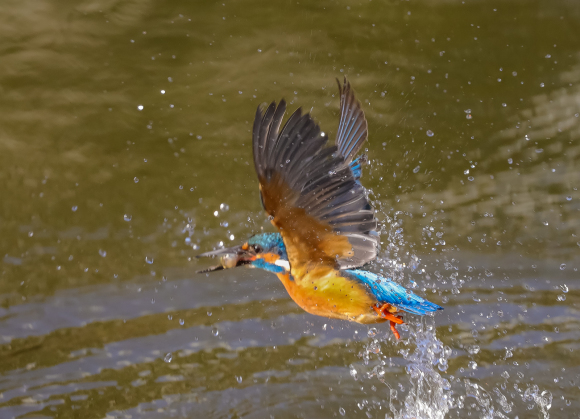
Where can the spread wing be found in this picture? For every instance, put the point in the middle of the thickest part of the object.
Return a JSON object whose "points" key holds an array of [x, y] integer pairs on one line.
{"points": [[311, 191], [353, 127]]}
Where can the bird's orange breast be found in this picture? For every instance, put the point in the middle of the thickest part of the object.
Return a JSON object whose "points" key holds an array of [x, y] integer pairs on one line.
{"points": [[325, 292]]}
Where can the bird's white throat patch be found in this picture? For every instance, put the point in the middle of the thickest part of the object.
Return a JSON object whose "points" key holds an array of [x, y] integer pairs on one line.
{"points": [[283, 263]]}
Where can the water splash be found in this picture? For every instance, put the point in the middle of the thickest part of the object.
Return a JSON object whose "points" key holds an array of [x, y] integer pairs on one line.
{"points": [[429, 395]]}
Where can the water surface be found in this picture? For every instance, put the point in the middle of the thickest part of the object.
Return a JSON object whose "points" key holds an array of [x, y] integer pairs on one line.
{"points": [[125, 150]]}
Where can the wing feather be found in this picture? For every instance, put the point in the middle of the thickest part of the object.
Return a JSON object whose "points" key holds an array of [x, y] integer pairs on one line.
{"points": [[352, 128], [309, 188]]}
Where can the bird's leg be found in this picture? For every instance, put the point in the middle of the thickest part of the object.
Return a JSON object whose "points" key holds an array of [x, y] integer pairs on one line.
{"points": [[386, 311]]}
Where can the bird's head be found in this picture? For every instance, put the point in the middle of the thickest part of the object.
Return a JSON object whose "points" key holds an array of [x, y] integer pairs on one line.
{"points": [[265, 251]]}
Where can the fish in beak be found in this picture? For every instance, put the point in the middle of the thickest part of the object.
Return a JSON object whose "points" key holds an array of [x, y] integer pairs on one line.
{"points": [[229, 258]]}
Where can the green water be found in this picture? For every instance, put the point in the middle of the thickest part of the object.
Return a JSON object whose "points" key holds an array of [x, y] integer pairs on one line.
{"points": [[124, 125]]}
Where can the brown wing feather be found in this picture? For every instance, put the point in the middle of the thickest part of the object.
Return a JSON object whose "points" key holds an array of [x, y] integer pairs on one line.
{"points": [[308, 240], [309, 189]]}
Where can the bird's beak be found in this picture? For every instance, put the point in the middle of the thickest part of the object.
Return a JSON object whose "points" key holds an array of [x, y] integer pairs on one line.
{"points": [[229, 258]]}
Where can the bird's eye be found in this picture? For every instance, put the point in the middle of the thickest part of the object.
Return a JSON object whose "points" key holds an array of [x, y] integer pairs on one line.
{"points": [[256, 248]]}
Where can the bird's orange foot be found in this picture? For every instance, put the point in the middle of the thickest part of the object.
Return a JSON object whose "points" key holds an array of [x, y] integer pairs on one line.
{"points": [[386, 311]]}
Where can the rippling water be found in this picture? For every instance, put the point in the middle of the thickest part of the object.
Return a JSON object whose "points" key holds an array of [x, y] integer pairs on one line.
{"points": [[124, 151]]}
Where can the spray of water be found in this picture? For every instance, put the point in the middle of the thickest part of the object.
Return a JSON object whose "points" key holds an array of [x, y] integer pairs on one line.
{"points": [[428, 392]]}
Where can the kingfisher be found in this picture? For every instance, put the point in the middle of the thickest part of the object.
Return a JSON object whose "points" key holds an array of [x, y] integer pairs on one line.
{"points": [[327, 230]]}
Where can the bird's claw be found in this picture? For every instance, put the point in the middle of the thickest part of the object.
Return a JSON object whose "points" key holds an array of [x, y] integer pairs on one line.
{"points": [[386, 311]]}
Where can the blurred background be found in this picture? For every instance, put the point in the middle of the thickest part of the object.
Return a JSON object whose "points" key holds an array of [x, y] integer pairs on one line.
{"points": [[125, 151]]}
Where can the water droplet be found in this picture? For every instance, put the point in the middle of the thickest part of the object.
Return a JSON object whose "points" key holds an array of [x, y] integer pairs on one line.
{"points": [[510, 160], [561, 298], [74, 208], [127, 217], [324, 326], [466, 172], [541, 84], [504, 104], [224, 207], [473, 349], [102, 252], [140, 107], [168, 357], [214, 331], [170, 317], [470, 178], [562, 266], [353, 372], [472, 365], [232, 237], [372, 332], [136, 179], [209, 313], [162, 92], [181, 322], [149, 260], [568, 198], [564, 288], [341, 411], [430, 133], [216, 213], [416, 169], [30, 233], [239, 379]]}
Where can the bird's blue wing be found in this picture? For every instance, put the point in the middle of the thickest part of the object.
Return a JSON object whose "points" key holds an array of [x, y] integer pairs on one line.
{"points": [[387, 291], [356, 167]]}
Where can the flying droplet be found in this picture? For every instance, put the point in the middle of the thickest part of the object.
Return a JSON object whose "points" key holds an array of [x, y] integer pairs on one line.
{"points": [[416, 169], [215, 332], [562, 266], [473, 349], [140, 107], [239, 379], [341, 411], [430, 133], [181, 322], [149, 260], [127, 217], [74, 208], [168, 357], [136, 179], [224, 207], [102, 252], [353, 372]]}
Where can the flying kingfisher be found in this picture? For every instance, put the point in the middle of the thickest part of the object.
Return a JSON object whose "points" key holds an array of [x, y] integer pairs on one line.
{"points": [[312, 194]]}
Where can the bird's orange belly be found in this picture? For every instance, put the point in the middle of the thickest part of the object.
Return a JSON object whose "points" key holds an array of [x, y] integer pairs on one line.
{"points": [[332, 296]]}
